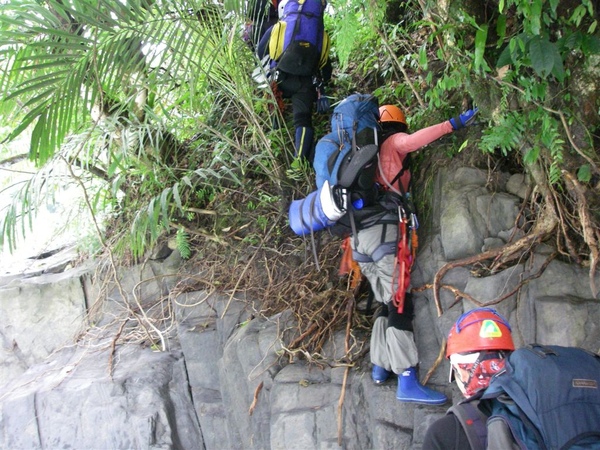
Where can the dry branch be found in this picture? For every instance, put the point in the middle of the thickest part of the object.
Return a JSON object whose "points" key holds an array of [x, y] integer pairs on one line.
{"points": [[255, 400]]}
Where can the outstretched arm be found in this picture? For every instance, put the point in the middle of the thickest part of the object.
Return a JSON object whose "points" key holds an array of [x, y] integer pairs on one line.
{"points": [[405, 143]]}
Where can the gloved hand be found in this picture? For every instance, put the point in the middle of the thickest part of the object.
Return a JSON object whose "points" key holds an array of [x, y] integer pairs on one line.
{"points": [[323, 104], [464, 120]]}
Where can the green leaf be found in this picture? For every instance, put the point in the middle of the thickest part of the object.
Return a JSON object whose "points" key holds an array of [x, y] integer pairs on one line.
{"points": [[501, 29], [423, 57], [182, 242], [531, 156], [584, 174], [590, 44], [542, 53], [505, 57], [480, 40], [535, 14], [558, 69]]}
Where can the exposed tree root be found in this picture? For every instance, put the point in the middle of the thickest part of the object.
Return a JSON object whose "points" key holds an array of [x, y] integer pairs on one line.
{"points": [[545, 225], [458, 294], [591, 235]]}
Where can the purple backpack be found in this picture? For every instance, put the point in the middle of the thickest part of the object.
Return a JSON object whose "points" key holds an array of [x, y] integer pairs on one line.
{"points": [[296, 40]]}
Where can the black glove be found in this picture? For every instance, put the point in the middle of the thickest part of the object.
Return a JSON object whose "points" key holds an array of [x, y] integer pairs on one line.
{"points": [[464, 120], [323, 104]]}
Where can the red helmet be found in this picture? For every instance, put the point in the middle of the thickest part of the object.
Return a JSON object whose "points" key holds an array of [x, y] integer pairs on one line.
{"points": [[391, 113], [477, 330]]}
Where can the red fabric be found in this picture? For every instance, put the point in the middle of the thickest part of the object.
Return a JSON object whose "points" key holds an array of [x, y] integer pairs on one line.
{"points": [[396, 147], [404, 264], [480, 375]]}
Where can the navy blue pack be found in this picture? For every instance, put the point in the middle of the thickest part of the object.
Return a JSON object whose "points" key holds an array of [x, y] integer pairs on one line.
{"points": [[549, 396], [347, 156]]}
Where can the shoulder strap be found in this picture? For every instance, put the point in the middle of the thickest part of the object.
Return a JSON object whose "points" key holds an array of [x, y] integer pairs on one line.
{"points": [[401, 172], [473, 422]]}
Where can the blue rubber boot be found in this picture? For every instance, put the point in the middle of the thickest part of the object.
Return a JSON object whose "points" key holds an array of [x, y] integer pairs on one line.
{"points": [[410, 390], [379, 374]]}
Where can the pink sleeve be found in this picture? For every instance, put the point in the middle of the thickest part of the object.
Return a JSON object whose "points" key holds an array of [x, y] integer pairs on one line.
{"points": [[405, 143]]}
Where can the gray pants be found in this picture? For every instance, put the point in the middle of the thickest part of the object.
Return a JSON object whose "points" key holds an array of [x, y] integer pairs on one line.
{"points": [[391, 348]]}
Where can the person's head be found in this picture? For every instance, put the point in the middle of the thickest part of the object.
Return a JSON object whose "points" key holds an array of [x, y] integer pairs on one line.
{"points": [[392, 119], [477, 345]]}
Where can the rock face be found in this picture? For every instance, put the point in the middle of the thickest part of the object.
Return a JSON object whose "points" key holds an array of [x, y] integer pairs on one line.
{"points": [[220, 381]]}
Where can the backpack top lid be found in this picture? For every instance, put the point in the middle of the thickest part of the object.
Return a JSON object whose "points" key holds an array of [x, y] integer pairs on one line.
{"points": [[309, 7], [355, 113], [354, 118]]}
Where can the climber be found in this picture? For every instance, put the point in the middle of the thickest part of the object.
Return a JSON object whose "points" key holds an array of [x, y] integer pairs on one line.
{"points": [[393, 349], [537, 396], [299, 72], [477, 347]]}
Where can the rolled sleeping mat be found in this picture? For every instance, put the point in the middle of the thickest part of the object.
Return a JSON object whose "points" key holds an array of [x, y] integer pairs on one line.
{"points": [[318, 210]]}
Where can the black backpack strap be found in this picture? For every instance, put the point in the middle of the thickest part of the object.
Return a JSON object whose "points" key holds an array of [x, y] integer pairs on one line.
{"points": [[473, 421], [398, 176]]}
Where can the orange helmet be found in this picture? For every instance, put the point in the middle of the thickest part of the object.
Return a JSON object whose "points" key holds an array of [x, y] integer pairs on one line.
{"points": [[477, 330], [391, 113]]}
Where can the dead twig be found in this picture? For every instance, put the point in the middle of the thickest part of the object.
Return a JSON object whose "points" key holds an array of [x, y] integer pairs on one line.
{"points": [[255, 400], [349, 310], [113, 345], [437, 362]]}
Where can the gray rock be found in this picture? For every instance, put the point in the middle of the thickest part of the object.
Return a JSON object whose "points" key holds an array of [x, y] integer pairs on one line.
{"points": [[518, 185], [39, 315], [568, 321], [469, 176], [498, 210], [462, 232], [491, 243], [77, 401]]}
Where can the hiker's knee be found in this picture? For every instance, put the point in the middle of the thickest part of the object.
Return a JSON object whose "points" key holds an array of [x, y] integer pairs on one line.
{"points": [[302, 119], [402, 321]]}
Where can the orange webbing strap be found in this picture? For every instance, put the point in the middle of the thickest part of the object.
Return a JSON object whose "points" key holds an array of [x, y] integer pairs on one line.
{"points": [[404, 260], [348, 266], [414, 243]]}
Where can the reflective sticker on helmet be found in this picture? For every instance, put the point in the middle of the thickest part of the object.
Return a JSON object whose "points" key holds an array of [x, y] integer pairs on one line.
{"points": [[489, 329]]}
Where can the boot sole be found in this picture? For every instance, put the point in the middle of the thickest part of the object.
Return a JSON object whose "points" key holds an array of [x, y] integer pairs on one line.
{"points": [[423, 402]]}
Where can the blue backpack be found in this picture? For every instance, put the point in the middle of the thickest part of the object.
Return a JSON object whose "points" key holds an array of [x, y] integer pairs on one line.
{"points": [[549, 397], [299, 44], [347, 156]]}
